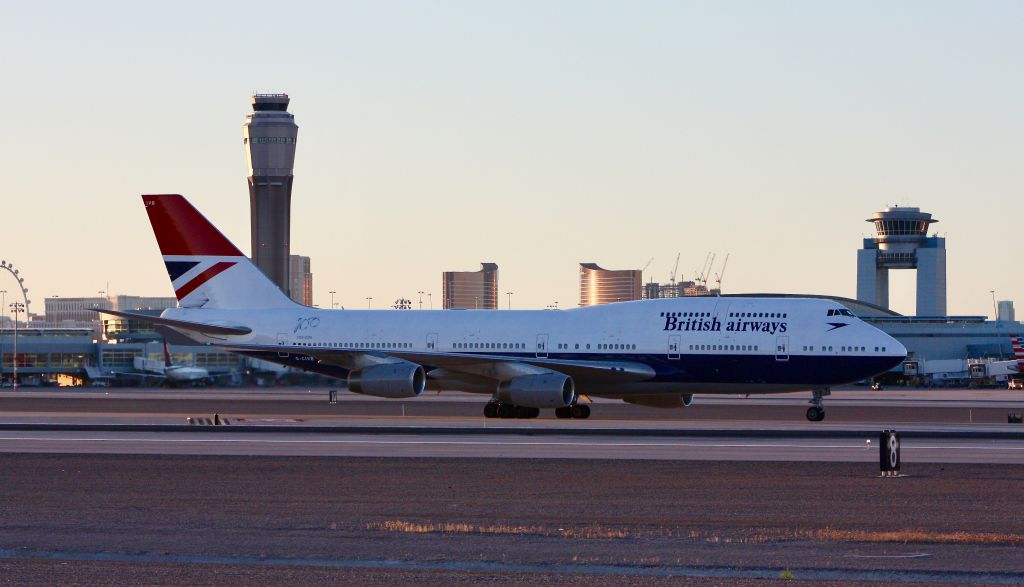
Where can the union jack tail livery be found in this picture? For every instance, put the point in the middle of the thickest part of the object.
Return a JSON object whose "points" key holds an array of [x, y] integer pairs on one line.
{"points": [[206, 270], [1018, 352]]}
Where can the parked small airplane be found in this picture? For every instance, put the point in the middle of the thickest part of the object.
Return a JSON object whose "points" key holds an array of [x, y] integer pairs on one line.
{"points": [[653, 352]]}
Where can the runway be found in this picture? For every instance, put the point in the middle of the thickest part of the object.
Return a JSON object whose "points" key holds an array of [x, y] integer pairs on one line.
{"points": [[945, 426], [101, 486], [538, 446]]}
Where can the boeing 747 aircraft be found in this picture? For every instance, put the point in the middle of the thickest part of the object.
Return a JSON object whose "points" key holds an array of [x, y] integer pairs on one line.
{"points": [[653, 352]]}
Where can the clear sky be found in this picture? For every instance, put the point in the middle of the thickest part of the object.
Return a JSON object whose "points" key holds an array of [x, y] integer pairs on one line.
{"points": [[436, 135]]}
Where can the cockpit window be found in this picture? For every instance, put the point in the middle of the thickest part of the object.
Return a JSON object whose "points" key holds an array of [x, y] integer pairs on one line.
{"points": [[840, 312]]}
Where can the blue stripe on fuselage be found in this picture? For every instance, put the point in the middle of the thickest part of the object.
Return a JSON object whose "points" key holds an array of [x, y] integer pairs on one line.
{"points": [[689, 368]]}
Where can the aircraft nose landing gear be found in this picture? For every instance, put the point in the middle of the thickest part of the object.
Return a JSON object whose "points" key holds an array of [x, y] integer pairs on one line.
{"points": [[816, 413]]}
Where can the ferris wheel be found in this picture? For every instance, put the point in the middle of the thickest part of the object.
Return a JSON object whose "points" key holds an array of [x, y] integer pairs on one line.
{"points": [[21, 284]]}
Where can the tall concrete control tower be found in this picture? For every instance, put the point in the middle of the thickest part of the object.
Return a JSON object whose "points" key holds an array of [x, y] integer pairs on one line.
{"points": [[901, 241], [269, 136]]}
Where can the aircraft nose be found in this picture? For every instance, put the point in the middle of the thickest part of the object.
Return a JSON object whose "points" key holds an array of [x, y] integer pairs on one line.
{"points": [[893, 348]]}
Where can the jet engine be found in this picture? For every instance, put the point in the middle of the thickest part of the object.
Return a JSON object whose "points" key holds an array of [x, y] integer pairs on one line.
{"points": [[391, 380], [547, 390]]}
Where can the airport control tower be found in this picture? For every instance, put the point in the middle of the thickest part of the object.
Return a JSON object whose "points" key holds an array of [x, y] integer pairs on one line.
{"points": [[901, 241], [269, 136]]}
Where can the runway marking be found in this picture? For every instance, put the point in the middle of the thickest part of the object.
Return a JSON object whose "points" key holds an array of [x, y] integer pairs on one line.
{"points": [[859, 447]]}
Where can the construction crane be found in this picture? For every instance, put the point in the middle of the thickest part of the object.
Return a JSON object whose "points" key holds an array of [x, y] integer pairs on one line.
{"points": [[675, 270], [718, 276], [706, 272], [647, 265]]}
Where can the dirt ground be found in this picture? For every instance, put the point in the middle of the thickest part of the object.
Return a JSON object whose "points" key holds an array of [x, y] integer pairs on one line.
{"points": [[119, 519]]}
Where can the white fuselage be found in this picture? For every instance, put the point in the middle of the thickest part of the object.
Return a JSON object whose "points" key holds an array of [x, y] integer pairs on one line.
{"points": [[708, 344]]}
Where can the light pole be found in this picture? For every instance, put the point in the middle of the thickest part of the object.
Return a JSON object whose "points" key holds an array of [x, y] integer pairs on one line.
{"points": [[332, 292], [430, 298], [421, 299], [17, 307], [368, 300], [509, 294]]}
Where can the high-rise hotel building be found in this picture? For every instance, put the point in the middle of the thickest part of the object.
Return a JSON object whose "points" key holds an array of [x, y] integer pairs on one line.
{"points": [[471, 290], [606, 286]]}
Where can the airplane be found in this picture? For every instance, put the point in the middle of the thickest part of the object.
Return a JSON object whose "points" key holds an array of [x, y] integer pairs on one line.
{"points": [[652, 352], [1015, 368], [175, 375]]}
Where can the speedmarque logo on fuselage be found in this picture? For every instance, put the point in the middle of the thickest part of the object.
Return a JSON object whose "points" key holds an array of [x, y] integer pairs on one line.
{"points": [[676, 323]]}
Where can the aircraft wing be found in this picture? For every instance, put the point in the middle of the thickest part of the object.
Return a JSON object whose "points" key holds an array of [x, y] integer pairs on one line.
{"points": [[200, 327], [141, 374], [496, 367]]}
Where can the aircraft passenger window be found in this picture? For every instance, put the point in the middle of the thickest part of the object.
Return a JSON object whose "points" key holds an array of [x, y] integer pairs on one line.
{"points": [[588, 346], [784, 314], [577, 345], [883, 349]]}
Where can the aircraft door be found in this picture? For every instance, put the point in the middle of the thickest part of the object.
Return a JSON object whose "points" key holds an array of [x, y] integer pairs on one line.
{"points": [[782, 348], [673, 346], [432, 341], [282, 340], [542, 346]]}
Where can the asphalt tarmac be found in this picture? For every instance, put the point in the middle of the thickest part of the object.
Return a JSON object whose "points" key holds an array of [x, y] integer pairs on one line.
{"points": [[731, 491]]}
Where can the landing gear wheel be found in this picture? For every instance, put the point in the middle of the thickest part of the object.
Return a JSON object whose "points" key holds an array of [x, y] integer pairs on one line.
{"points": [[506, 411], [816, 413], [563, 413], [491, 410], [580, 411], [523, 412]]}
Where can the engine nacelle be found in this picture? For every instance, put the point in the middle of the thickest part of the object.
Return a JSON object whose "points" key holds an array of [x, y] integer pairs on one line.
{"points": [[547, 390], [392, 380]]}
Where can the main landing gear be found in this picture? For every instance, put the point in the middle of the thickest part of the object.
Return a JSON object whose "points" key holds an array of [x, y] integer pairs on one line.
{"points": [[816, 413], [495, 409], [578, 411]]}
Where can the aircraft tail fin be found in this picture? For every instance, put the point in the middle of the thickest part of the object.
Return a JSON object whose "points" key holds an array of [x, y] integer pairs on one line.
{"points": [[205, 269], [1018, 352]]}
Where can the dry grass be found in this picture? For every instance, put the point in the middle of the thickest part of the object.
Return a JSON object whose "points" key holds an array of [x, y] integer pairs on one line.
{"points": [[893, 537], [919, 537], [588, 532], [755, 536]]}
